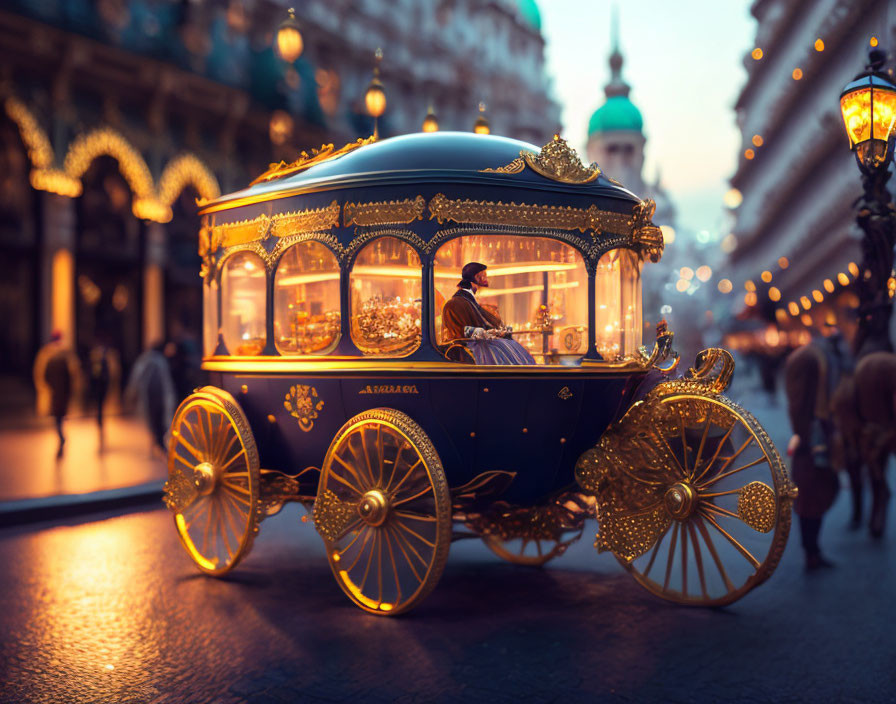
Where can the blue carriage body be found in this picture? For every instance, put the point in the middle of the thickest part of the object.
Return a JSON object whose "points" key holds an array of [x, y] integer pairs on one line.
{"points": [[426, 190]]}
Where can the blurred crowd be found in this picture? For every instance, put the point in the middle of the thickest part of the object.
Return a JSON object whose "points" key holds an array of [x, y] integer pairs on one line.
{"points": [[90, 380]]}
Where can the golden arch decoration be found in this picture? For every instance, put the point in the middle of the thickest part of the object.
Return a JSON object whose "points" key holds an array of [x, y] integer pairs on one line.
{"points": [[44, 177], [184, 170], [108, 142]]}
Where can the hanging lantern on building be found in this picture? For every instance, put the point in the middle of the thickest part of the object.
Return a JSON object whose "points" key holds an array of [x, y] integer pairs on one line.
{"points": [[289, 38], [430, 123], [868, 105], [375, 97], [481, 125]]}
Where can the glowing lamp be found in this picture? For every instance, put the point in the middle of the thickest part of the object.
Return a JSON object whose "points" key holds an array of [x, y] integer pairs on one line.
{"points": [[430, 123], [289, 38], [868, 105], [481, 125]]}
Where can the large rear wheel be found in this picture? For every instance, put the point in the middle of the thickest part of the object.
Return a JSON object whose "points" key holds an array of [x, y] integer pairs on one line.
{"points": [[693, 498], [384, 511]]}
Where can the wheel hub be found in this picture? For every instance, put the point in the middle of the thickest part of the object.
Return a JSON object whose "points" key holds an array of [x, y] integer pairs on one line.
{"points": [[204, 478], [374, 507], [681, 500]]}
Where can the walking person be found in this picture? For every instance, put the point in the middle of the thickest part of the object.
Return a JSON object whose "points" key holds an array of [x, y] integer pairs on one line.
{"points": [[812, 372], [58, 378], [151, 387]]}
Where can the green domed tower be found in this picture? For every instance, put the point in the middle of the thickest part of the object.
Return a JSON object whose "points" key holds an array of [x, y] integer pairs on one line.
{"points": [[615, 130], [530, 13]]}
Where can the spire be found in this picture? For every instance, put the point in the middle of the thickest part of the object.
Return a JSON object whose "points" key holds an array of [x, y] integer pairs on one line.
{"points": [[616, 86]]}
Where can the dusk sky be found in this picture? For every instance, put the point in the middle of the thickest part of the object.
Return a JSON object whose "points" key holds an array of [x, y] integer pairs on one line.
{"points": [[685, 64]]}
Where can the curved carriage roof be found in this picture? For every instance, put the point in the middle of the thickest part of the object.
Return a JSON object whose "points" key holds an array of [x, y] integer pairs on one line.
{"points": [[440, 157]]}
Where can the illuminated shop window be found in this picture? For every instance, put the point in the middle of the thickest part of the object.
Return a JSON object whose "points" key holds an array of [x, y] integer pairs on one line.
{"points": [[617, 302], [538, 286], [306, 300], [210, 317], [386, 282], [243, 304]]}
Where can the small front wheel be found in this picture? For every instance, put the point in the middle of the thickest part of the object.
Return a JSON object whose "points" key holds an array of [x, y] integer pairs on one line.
{"points": [[384, 511], [213, 480]]}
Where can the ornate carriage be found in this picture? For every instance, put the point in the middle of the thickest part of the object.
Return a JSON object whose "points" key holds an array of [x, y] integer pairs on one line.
{"points": [[332, 383]]}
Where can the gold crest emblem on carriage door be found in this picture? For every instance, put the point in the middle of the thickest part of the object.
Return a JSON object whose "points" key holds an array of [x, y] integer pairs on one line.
{"points": [[303, 404]]}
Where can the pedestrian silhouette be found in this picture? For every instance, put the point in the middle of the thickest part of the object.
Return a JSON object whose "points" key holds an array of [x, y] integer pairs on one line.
{"points": [[58, 378], [151, 388]]}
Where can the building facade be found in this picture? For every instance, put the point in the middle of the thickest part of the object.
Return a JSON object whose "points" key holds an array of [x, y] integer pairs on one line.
{"points": [[117, 116], [797, 245]]}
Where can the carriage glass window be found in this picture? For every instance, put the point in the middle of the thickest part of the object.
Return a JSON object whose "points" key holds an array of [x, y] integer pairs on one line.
{"points": [[537, 286], [306, 300], [617, 304], [385, 283], [209, 316], [243, 304]]}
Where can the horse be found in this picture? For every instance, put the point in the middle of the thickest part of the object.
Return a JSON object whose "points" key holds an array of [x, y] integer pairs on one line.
{"points": [[875, 405]]}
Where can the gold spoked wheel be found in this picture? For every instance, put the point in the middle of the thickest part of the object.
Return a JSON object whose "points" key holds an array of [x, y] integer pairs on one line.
{"points": [[213, 480], [524, 551], [384, 511], [696, 503]]}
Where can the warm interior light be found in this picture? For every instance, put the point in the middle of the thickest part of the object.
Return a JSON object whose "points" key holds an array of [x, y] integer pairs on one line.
{"points": [[298, 279], [853, 269], [774, 294], [843, 279], [805, 302], [793, 308], [508, 270], [289, 38], [828, 285], [868, 106], [873, 41], [819, 45], [818, 296], [757, 53], [766, 276]]}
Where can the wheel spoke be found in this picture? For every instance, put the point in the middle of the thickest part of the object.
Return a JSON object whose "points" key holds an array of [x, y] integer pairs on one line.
{"points": [[369, 560], [702, 443], [423, 492], [681, 471], [367, 456], [367, 531], [407, 474], [740, 548], [226, 451], [352, 541], [684, 445], [698, 557], [719, 477], [351, 470], [344, 482], [684, 560], [415, 534], [241, 453], [719, 510], [671, 557], [410, 515], [715, 455], [192, 450], [656, 549], [394, 567], [407, 543], [408, 560], [715, 556], [729, 460]]}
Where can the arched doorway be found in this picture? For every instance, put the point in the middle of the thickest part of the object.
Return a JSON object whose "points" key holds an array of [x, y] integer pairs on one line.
{"points": [[20, 293], [108, 265]]}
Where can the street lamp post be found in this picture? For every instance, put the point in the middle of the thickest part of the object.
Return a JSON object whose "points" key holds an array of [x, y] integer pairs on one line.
{"points": [[868, 105], [375, 97]]}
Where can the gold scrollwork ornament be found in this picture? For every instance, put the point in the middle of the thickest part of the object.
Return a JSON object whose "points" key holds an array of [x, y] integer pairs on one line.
{"points": [[303, 404], [688, 472]]}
